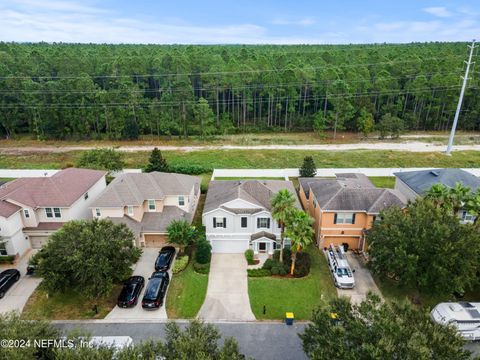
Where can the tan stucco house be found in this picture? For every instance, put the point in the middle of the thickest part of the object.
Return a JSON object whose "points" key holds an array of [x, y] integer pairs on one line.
{"points": [[344, 208], [148, 202], [31, 209]]}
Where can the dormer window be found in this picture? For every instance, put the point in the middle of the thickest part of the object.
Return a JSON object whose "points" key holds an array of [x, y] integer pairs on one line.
{"points": [[152, 206], [181, 201], [130, 210], [98, 213], [26, 213]]}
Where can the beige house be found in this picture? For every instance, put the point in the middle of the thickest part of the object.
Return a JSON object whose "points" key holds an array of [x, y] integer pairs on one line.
{"points": [[148, 202], [31, 209]]}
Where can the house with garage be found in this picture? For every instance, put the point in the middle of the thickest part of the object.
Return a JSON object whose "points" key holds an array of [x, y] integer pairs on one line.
{"points": [[31, 209], [411, 184], [148, 202], [237, 215], [344, 208]]}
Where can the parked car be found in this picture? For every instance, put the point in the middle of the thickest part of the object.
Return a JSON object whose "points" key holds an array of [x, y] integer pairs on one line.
{"points": [[7, 279], [33, 263], [156, 290], [165, 258], [131, 292]]}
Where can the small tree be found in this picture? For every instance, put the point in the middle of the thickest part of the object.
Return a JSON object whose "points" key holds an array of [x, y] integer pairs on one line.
{"points": [[376, 330], [204, 251], [320, 123], [88, 257], [308, 169], [101, 159], [156, 162], [205, 117], [300, 232], [282, 205], [390, 125], [131, 130], [365, 123], [180, 232]]}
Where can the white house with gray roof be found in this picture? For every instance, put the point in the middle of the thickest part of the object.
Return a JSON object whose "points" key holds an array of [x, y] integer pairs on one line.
{"points": [[237, 215], [148, 202]]}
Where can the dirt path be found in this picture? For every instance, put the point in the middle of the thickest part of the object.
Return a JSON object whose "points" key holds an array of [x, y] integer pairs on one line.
{"points": [[411, 146]]}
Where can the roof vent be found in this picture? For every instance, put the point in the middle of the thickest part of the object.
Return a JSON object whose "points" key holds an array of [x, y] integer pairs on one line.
{"points": [[434, 172]]}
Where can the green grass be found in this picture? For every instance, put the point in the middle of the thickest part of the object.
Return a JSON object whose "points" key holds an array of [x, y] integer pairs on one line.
{"points": [[255, 159], [6, 179], [186, 293], [68, 306], [300, 296], [383, 181]]}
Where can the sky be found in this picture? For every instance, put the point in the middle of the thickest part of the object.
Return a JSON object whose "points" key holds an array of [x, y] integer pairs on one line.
{"points": [[239, 22]]}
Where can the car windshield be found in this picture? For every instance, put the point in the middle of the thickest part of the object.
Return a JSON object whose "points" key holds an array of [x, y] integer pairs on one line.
{"points": [[342, 272], [127, 290], [162, 257], [152, 289]]}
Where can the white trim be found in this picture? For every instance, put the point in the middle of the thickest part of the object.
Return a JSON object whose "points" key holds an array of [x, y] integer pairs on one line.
{"points": [[341, 228], [339, 235], [208, 212], [154, 205]]}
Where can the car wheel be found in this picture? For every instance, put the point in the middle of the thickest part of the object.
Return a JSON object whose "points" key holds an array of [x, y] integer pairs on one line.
{"points": [[17, 278], [2, 294]]}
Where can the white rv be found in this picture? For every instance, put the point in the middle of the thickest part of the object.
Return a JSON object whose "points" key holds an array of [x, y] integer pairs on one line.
{"points": [[341, 273], [464, 316]]}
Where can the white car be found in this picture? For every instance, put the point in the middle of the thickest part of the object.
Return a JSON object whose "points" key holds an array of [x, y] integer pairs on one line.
{"points": [[341, 273], [464, 316]]}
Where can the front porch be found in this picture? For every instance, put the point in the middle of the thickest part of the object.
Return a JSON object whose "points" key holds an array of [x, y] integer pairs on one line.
{"points": [[263, 243]]}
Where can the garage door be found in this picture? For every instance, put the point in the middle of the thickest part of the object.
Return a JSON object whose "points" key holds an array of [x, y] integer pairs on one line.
{"points": [[38, 241], [229, 246], [353, 242], [154, 241]]}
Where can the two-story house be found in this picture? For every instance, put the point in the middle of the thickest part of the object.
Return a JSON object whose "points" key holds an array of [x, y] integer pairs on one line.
{"points": [[344, 208], [148, 202], [237, 215], [31, 209], [412, 184]]}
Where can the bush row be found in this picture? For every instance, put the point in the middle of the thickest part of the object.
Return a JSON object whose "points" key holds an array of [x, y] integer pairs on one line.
{"points": [[8, 259], [258, 272]]}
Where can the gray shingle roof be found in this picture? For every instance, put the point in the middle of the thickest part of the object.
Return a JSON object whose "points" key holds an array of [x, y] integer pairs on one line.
{"points": [[353, 192], [135, 188], [421, 181], [257, 192]]}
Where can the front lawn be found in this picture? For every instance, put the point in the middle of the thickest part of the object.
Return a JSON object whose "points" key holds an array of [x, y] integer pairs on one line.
{"points": [[300, 296], [186, 293], [68, 306]]}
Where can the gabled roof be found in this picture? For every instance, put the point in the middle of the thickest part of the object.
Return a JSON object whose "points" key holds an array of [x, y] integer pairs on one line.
{"points": [[61, 190], [135, 188], [353, 192], [421, 181], [256, 192]]}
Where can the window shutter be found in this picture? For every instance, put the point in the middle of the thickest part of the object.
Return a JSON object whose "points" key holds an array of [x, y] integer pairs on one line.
{"points": [[268, 223], [335, 218], [353, 218], [214, 223], [225, 222], [258, 223]]}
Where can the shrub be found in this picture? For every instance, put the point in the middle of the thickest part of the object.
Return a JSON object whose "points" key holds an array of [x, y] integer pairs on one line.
{"points": [[201, 268], [249, 256], [101, 159], [267, 265], [302, 265], [9, 259], [180, 264], [204, 251], [282, 271], [189, 169], [258, 272], [276, 255], [275, 270]]}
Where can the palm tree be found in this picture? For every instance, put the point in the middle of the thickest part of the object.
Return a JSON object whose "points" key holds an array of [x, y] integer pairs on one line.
{"points": [[282, 205], [300, 232], [438, 193], [181, 233], [458, 195], [472, 205]]}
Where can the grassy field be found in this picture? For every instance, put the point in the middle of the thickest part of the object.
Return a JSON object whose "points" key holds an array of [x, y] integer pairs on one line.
{"points": [[256, 159], [301, 296], [186, 293], [68, 306], [383, 181]]}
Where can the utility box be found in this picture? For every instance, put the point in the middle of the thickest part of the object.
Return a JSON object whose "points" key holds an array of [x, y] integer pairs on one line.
{"points": [[289, 317]]}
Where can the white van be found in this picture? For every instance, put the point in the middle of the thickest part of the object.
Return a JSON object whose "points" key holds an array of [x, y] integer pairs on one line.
{"points": [[464, 316]]}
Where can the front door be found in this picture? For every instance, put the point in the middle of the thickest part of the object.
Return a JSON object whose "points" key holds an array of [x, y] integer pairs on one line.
{"points": [[262, 247]]}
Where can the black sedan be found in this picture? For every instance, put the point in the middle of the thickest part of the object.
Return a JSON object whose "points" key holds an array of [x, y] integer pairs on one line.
{"points": [[131, 292], [156, 290], [7, 279], [165, 258]]}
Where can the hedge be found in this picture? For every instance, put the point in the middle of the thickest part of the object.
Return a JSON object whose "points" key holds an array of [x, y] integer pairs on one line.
{"points": [[8, 259], [258, 272]]}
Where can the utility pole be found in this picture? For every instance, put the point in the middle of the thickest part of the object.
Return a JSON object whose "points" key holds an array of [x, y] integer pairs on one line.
{"points": [[460, 100]]}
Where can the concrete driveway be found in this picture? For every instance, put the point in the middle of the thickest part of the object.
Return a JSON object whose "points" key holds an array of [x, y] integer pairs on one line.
{"points": [[17, 296], [144, 267], [227, 292], [364, 282]]}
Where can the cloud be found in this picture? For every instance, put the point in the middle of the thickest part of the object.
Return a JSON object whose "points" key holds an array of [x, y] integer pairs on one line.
{"points": [[439, 11]]}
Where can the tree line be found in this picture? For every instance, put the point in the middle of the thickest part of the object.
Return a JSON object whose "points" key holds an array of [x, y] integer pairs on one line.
{"points": [[63, 91]]}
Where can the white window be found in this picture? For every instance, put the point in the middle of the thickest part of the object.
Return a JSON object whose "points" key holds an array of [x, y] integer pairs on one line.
{"points": [[130, 210], [344, 218], [219, 222], [151, 205], [85, 197], [26, 213], [263, 223], [49, 212], [98, 213], [467, 217], [181, 200], [3, 249], [57, 212]]}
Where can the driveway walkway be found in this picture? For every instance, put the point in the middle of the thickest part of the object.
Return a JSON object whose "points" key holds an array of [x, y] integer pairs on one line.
{"points": [[364, 282], [17, 296], [144, 267], [227, 292]]}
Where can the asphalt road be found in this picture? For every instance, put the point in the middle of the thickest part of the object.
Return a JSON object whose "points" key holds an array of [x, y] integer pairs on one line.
{"points": [[262, 341]]}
